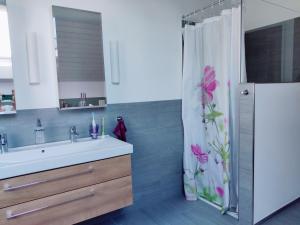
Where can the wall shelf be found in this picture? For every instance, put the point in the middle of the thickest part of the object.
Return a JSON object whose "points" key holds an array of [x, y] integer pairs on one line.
{"points": [[83, 107], [8, 113]]}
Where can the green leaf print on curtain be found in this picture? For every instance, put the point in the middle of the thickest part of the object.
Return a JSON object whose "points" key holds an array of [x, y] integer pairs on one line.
{"points": [[213, 160]]}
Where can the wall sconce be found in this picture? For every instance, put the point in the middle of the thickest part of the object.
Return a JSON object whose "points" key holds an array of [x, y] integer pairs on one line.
{"points": [[114, 62], [33, 58]]}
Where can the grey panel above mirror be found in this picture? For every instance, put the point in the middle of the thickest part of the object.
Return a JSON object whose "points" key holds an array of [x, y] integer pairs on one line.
{"points": [[79, 58], [7, 92]]}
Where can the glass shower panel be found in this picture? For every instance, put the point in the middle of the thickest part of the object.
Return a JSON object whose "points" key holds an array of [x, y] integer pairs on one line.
{"points": [[272, 42]]}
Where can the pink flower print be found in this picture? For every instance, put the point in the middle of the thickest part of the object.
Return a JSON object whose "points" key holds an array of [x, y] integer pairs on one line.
{"points": [[220, 191], [201, 155], [208, 85]]}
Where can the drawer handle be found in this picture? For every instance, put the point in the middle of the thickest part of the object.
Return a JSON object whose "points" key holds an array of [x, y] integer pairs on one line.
{"points": [[10, 214], [8, 187]]}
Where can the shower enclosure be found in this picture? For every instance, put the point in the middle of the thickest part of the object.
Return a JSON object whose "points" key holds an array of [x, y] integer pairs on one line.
{"points": [[241, 142], [269, 110], [211, 74]]}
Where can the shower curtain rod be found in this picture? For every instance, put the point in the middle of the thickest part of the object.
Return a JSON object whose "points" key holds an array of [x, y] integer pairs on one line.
{"points": [[211, 5]]}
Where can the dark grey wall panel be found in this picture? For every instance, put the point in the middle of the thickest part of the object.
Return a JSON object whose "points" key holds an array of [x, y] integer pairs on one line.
{"points": [[246, 155], [154, 128], [296, 64], [264, 55], [272, 53]]}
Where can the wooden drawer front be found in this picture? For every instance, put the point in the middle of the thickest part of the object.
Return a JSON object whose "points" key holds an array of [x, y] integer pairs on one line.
{"points": [[71, 207], [31, 187]]}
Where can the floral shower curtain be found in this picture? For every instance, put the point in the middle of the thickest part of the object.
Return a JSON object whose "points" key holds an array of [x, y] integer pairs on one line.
{"points": [[211, 74]]}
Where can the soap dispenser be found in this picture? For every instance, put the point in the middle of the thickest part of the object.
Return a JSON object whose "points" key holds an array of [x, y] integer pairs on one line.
{"points": [[39, 132]]}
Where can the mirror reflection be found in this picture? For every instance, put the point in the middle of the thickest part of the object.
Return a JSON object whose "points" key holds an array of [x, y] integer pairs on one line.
{"points": [[272, 41], [79, 58], [7, 92]]}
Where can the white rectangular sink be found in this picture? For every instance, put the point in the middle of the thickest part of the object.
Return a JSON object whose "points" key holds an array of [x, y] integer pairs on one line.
{"points": [[37, 158]]}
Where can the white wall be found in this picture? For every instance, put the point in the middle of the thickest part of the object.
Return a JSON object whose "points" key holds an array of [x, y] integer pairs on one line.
{"points": [[259, 13], [277, 152], [149, 33], [6, 87], [6, 72]]}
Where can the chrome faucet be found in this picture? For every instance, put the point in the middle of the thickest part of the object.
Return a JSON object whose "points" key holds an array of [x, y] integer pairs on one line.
{"points": [[73, 134], [3, 143]]}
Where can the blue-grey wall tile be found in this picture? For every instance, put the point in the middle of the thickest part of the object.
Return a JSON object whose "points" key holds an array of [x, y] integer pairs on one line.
{"points": [[154, 128]]}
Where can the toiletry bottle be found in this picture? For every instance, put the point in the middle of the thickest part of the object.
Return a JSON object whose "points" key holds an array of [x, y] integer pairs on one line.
{"points": [[80, 101], [1, 103], [13, 99], [94, 125], [39, 132], [3, 142], [94, 128], [84, 99], [102, 127]]}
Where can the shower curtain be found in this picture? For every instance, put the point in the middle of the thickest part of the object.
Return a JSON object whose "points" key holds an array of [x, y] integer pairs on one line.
{"points": [[211, 73]]}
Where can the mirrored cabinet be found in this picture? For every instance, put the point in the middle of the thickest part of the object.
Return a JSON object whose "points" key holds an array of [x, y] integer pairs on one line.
{"points": [[76, 48], [7, 90], [79, 58]]}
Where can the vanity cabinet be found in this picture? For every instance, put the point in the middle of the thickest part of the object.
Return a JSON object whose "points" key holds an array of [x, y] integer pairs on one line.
{"points": [[68, 195]]}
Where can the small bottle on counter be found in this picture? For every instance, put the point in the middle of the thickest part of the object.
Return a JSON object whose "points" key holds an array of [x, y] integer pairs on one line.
{"points": [[102, 127], [39, 132], [1, 103], [13, 100], [94, 128]]}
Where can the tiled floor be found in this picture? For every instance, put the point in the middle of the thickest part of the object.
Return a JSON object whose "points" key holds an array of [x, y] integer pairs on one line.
{"points": [[172, 212], [289, 216], [181, 212]]}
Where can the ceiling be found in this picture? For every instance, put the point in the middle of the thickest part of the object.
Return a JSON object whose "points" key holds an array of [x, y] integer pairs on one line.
{"points": [[293, 5]]}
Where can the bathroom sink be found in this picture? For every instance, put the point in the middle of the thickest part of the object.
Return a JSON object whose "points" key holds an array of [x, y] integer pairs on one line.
{"points": [[36, 158]]}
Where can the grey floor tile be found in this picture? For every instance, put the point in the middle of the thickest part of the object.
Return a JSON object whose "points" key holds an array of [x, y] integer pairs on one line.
{"points": [[134, 218], [162, 214], [177, 211]]}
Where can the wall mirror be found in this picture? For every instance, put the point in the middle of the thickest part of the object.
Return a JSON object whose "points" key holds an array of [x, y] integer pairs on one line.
{"points": [[7, 92], [79, 58], [272, 41]]}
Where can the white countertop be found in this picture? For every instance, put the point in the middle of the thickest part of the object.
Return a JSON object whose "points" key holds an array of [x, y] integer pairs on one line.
{"points": [[37, 158]]}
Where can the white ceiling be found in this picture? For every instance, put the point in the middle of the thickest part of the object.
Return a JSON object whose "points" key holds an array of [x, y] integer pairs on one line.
{"points": [[260, 13], [293, 5]]}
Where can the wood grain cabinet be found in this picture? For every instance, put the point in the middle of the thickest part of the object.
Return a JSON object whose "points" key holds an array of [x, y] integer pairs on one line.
{"points": [[68, 195]]}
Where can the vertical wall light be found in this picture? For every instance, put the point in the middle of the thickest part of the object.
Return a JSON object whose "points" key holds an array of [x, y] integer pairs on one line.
{"points": [[114, 62], [33, 58]]}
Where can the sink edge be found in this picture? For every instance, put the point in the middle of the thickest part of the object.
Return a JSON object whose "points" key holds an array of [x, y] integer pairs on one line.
{"points": [[20, 169]]}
